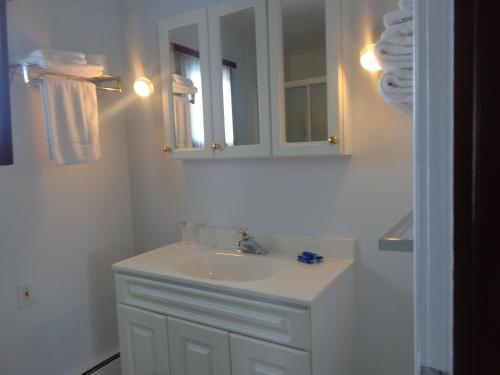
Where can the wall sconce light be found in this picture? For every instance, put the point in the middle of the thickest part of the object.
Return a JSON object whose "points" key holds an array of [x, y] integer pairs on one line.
{"points": [[143, 87], [368, 58]]}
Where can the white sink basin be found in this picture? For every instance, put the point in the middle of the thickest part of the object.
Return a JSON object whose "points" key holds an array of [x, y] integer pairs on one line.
{"points": [[229, 267]]}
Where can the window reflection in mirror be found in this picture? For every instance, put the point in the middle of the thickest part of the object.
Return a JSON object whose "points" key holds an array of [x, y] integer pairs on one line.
{"points": [[239, 78], [187, 93], [304, 42]]}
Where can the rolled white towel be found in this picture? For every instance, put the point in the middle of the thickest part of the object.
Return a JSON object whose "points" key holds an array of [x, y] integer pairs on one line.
{"points": [[405, 4], [60, 56], [396, 83], [391, 56], [397, 16], [387, 47], [396, 87], [405, 105], [400, 34]]}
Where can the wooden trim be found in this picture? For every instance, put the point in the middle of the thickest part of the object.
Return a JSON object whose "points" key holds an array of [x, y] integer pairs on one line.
{"points": [[192, 52], [6, 153], [476, 189]]}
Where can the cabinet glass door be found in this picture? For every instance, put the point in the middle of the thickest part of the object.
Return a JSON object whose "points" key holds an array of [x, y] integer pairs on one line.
{"points": [[305, 40], [186, 85], [240, 79]]}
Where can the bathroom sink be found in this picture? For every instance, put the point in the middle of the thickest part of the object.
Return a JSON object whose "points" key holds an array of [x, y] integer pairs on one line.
{"points": [[229, 267]]}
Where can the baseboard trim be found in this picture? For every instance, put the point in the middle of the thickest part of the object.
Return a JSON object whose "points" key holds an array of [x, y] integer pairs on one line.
{"points": [[99, 366]]}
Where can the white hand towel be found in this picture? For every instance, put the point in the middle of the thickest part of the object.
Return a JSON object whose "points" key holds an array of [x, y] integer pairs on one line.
{"points": [[181, 79], [397, 16], [392, 56], [386, 47], [78, 70], [71, 120], [60, 56], [392, 84], [182, 122], [396, 87], [182, 85], [400, 34], [178, 88]]}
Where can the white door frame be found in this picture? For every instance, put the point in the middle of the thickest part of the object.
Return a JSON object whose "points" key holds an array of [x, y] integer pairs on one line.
{"points": [[433, 158]]}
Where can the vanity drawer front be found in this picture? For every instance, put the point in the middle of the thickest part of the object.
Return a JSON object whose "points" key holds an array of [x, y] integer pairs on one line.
{"points": [[275, 323]]}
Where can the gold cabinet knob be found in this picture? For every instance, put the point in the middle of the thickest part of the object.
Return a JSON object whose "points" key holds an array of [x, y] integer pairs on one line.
{"points": [[216, 146], [333, 140], [167, 148]]}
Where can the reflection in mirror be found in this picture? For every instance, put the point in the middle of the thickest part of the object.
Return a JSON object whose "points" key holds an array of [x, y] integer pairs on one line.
{"points": [[304, 42], [187, 94], [239, 78]]}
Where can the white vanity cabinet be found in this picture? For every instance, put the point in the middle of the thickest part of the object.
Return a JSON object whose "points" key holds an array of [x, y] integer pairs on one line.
{"points": [[295, 320], [143, 342], [255, 357], [197, 349], [186, 348]]}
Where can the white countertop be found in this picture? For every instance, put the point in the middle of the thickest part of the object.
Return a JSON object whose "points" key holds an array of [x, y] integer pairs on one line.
{"points": [[292, 282]]}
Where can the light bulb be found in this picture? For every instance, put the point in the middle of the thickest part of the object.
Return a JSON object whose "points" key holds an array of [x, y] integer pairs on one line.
{"points": [[143, 87], [368, 58]]}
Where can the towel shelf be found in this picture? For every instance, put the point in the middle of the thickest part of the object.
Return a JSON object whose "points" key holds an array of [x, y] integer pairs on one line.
{"points": [[399, 237], [34, 74]]}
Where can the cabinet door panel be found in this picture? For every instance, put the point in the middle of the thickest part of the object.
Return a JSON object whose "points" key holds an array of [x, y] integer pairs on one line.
{"points": [[240, 78], [255, 357], [143, 342], [306, 78], [185, 77], [198, 350]]}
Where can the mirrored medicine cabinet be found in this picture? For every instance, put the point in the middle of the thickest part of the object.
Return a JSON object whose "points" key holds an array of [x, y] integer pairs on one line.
{"points": [[253, 78]]}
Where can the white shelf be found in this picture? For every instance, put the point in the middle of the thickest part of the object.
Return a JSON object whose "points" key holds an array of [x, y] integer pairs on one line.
{"points": [[399, 237]]}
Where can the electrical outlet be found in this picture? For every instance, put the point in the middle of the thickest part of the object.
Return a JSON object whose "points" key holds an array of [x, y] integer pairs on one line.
{"points": [[25, 296]]}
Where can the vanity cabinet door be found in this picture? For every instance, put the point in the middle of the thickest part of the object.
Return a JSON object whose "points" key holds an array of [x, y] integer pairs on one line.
{"points": [[306, 78], [255, 357], [240, 78], [198, 350], [143, 342]]}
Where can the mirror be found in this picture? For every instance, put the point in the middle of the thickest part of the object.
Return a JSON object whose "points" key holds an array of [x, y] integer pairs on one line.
{"points": [[239, 78], [187, 90], [305, 72]]}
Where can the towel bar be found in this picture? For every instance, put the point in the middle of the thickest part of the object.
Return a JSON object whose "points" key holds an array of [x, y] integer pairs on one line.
{"points": [[34, 74], [399, 237]]}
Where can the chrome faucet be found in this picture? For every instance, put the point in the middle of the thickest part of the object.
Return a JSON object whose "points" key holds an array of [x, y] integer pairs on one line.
{"points": [[248, 245]]}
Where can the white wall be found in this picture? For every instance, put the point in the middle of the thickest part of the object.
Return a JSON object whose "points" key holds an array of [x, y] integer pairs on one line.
{"points": [[359, 196], [61, 227]]}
